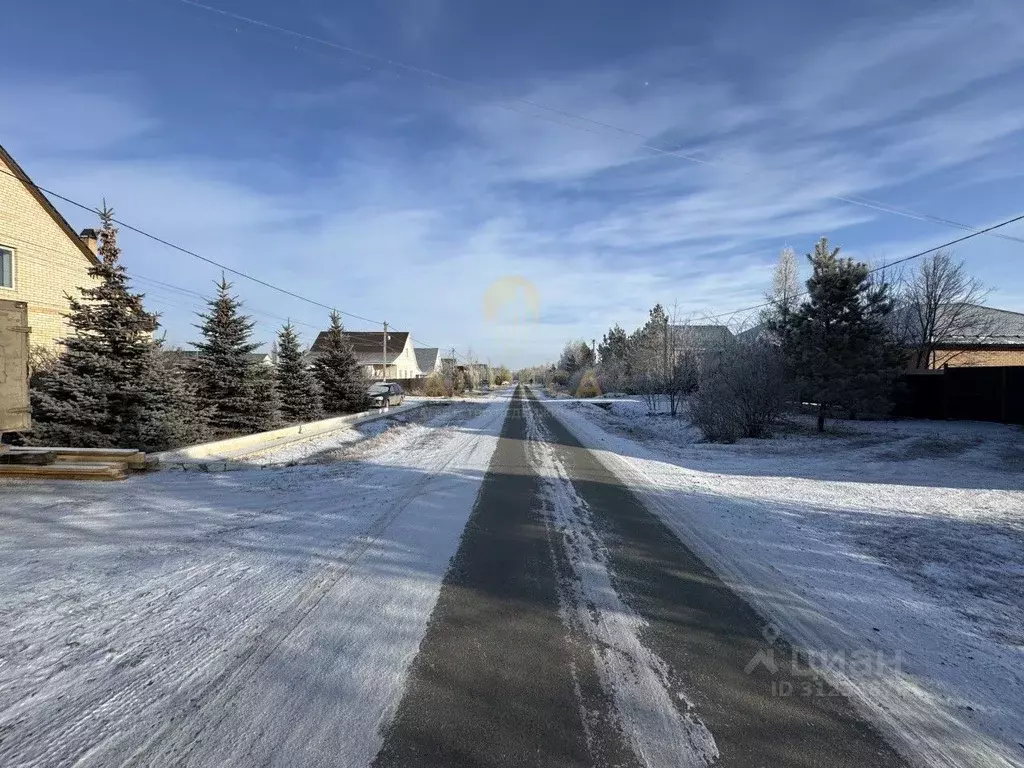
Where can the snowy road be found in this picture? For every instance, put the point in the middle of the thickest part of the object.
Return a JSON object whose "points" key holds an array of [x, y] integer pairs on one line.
{"points": [[474, 589]]}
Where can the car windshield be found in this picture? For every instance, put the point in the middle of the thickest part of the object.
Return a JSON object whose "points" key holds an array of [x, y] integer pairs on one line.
{"points": [[378, 389]]}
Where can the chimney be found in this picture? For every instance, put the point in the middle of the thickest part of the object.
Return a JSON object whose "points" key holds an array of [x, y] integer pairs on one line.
{"points": [[89, 238]]}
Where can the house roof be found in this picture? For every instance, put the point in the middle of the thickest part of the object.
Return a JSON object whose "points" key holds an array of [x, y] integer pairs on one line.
{"points": [[426, 358], [47, 206], [989, 326], [702, 335], [369, 345]]}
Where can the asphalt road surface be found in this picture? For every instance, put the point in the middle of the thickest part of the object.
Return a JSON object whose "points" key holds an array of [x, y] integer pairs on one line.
{"points": [[574, 629]]}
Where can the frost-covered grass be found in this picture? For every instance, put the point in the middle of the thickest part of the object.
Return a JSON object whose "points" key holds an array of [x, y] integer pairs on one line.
{"points": [[902, 537]]}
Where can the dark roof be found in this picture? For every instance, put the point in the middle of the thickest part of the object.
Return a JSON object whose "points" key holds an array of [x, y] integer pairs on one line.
{"points": [[426, 358], [37, 193], [369, 345], [702, 336]]}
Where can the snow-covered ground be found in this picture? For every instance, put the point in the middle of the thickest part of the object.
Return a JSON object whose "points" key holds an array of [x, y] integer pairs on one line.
{"points": [[184, 618], [904, 540]]}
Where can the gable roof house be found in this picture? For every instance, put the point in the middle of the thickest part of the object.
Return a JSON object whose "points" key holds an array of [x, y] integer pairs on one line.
{"points": [[400, 362], [428, 359], [41, 256]]}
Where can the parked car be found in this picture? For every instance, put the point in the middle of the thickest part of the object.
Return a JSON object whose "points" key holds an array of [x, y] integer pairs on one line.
{"points": [[382, 395]]}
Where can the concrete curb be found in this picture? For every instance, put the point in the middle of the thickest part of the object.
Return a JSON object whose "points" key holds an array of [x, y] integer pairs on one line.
{"points": [[221, 455]]}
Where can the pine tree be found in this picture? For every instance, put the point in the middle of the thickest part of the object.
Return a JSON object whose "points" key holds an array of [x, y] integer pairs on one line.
{"points": [[837, 342], [238, 391], [296, 385], [337, 371], [104, 389]]}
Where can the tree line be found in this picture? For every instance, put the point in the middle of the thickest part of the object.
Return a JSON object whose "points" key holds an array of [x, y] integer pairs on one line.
{"points": [[838, 346], [113, 384]]}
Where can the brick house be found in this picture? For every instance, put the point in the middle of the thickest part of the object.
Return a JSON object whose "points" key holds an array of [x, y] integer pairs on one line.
{"points": [[996, 339], [41, 256]]}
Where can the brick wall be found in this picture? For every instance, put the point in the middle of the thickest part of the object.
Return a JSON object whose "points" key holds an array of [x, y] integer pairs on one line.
{"points": [[47, 264], [979, 357]]}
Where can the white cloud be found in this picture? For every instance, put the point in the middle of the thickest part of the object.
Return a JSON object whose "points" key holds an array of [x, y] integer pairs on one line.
{"points": [[604, 228]]}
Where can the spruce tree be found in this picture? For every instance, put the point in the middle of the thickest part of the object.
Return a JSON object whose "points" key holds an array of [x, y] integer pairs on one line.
{"points": [[238, 390], [104, 389], [296, 385], [338, 372], [837, 342]]}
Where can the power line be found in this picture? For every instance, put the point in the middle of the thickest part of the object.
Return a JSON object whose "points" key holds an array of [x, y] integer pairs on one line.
{"points": [[863, 202], [889, 265], [169, 244], [186, 251]]}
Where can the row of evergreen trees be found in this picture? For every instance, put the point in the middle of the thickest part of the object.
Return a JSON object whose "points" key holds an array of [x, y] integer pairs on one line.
{"points": [[113, 385]]}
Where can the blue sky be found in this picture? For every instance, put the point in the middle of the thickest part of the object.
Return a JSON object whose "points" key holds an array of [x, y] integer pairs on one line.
{"points": [[397, 195]]}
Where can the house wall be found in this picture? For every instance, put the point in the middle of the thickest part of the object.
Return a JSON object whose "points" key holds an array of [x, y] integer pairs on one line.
{"points": [[966, 358], [405, 365], [47, 264]]}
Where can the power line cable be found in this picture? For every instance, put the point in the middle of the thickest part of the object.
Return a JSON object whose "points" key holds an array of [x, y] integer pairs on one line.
{"points": [[688, 156], [169, 244], [891, 264]]}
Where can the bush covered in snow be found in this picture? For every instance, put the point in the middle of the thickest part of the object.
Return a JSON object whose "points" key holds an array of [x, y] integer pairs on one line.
{"points": [[741, 393]]}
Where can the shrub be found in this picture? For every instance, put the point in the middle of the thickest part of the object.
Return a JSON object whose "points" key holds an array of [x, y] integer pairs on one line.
{"points": [[588, 386], [560, 378], [435, 386], [741, 394]]}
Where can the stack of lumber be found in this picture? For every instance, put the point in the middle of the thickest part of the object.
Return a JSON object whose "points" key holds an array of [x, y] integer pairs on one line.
{"points": [[70, 463]]}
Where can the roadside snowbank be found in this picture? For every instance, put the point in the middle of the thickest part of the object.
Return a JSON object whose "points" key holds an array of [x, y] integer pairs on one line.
{"points": [[901, 539]]}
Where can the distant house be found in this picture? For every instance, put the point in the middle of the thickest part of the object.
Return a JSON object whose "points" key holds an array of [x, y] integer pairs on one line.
{"points": [[369, 347], [759, 332], [428, 359], [992, 337], [701, 338], [42, 259]]}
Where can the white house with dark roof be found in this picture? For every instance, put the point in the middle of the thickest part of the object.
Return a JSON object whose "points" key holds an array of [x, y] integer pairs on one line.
{"points": [[393, 358]]}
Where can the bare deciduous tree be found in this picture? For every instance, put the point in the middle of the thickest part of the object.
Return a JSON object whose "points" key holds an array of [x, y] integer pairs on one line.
{"points": [[939, 305]]}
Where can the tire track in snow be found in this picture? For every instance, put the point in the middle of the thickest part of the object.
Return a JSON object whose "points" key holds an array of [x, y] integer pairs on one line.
{"points": [[656, 719]]}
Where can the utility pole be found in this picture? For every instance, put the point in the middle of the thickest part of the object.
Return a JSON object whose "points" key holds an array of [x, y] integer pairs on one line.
{"points": [[665, 346], [384, 367], [593, 350]]}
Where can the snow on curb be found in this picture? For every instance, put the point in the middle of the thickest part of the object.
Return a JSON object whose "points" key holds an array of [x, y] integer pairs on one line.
{"points": [[228, 454], [923, 716]]}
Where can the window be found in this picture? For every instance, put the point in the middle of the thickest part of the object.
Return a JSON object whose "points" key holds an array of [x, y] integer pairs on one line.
{"points": [[6, 268]]}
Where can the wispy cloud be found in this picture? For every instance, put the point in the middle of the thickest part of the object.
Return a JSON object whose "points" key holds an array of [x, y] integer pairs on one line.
{"points": [[420, 197]]}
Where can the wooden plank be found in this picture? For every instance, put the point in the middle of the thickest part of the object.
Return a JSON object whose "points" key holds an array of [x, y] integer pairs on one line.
{"points": [[134, 459], [15, 456], [112, 471]]}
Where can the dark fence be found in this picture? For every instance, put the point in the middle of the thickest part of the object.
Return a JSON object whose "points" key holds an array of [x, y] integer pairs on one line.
{"points": [[969, 394]]}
